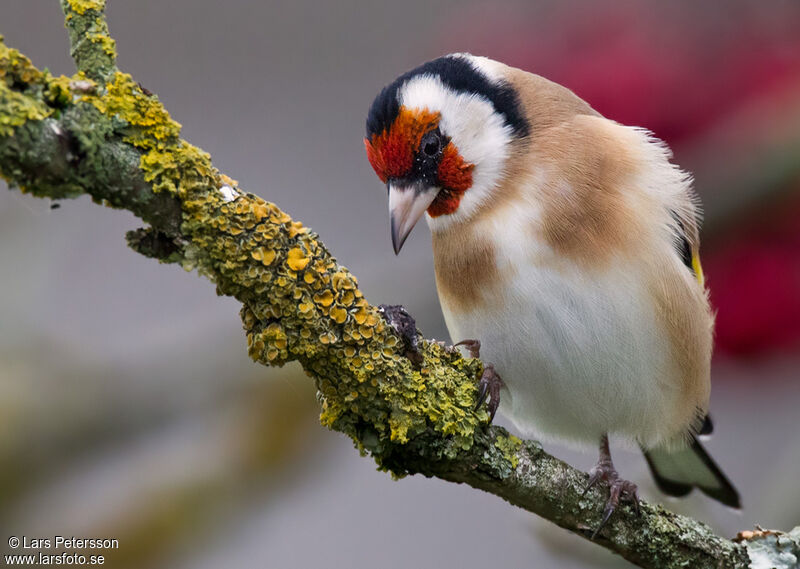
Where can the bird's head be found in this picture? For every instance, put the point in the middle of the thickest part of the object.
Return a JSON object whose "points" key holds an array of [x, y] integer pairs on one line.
{"points": [[439, 137]]}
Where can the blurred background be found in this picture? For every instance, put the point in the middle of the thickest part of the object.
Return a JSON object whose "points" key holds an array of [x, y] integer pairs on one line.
{"points": [[128, 405]]}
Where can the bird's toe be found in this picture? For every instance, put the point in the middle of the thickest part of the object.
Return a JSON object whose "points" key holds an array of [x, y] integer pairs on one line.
{"points": [[618, 489], [489, 385], [473, 346]]}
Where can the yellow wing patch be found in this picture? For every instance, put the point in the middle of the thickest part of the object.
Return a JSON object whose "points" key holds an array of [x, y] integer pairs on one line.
{"points": [[698, 270]]}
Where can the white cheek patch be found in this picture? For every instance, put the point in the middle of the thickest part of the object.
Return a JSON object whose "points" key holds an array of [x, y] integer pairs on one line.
{"points": [[475, 128]]}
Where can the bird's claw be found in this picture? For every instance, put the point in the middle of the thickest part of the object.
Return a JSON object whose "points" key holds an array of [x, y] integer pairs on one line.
{"points": [[483, 391], [473, 347], [489, 384], [618, 488]]}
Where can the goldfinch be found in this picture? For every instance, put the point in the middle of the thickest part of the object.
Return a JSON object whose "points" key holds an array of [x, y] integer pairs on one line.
{"points": [[567, 244]]}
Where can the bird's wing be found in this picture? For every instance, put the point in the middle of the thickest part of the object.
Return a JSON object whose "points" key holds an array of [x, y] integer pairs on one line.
{"points": [[687, 242], [676, 472]]}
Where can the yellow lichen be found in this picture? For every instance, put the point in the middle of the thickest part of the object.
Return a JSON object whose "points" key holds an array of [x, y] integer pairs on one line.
{"points": [[260, 211], [98, 34], [299, 303], [83, 6], [399, 424], [16, 67], [343, 280], [59, 90], [297, 259], [325, 298], [266, 256], [360, 315], [294, 228], [153, 128], [338, 314], [509, 446], [16, 109]]}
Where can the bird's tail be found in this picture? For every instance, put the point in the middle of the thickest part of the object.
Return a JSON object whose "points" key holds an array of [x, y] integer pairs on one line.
{"points": [[678, 471]]}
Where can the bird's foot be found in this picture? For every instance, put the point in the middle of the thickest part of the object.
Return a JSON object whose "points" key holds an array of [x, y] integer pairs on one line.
{"points": [[490, 382], [618, 488]]}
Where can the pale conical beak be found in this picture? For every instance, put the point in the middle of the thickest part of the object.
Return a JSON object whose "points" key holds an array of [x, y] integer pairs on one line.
{"points": [[406, 206]]}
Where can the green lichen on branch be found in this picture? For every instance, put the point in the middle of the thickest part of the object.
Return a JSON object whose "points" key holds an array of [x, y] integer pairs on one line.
{"points": [[509, 446], [299, 303], [16, 110], [306, 307], [80, 7], [19, 79], [93, 49], [16, 68]]}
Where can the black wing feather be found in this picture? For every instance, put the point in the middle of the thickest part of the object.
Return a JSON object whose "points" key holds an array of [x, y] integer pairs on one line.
{"points": [[724, 492]]}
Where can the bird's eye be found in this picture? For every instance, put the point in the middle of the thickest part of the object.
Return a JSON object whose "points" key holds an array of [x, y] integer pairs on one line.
{"points": [[431, 144]]}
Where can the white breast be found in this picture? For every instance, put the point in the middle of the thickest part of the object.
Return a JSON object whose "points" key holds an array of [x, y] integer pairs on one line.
{"points": [[581, 353]]}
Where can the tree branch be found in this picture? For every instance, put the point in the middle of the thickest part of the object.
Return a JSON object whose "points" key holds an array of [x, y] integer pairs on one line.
{"points": [[93, 49], [100, 133]]}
